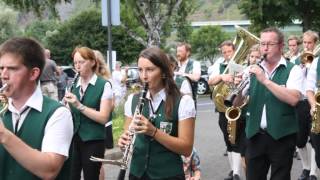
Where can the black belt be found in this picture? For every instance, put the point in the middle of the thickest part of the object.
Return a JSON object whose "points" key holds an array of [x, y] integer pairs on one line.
{"points": [[263, 131]]}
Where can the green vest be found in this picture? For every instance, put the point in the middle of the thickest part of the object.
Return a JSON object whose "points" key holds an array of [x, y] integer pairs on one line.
{"points": [[281, 120], [31, 133], [222, 67], [179, 79], [151, 157], [86, 128], [297, 61]]}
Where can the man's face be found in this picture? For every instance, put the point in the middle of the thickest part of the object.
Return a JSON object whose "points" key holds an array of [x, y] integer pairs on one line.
{"points": [[16, 75], [182, 53], [227, 52], [308, 43], [293, 46], [270, 45]]}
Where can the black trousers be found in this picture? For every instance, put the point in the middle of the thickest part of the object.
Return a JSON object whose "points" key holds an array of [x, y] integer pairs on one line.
{"points": [[239, 146], [82, 151], [315, 142], [145, 177], [304, 119], [263, 151]]}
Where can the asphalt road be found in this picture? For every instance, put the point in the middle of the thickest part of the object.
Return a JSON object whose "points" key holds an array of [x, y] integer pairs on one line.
{"points": [[210, 146]]}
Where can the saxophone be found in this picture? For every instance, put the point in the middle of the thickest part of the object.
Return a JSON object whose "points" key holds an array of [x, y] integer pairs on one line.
{"points": [[233, 113], [127, 155], [315, 125]]}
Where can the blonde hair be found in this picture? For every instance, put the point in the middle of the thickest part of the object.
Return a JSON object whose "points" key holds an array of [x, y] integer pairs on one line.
{"points": [[102, 67]]}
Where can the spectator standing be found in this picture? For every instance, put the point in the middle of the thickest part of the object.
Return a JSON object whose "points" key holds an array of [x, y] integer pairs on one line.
{"points": [[191, 166], [49, 77], [62, 83], [119, 83]]}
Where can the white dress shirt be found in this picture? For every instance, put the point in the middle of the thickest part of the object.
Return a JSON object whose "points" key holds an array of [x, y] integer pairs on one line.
{"points": [[186, 106], [312, 76], [196, 67], [294, 82], [107, 92], [59, 128]]}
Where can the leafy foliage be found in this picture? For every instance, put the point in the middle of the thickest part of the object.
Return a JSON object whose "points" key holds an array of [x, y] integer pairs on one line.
{"points": [[205, 41], [40, 29], [37, 6], [8, 24], [85, 29], [266, 13]]}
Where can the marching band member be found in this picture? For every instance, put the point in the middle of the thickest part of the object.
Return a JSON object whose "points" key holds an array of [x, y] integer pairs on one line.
{"points": [[182, 82], [274, 90], [293, 44], [306, 152], [91, 104], [311, 88], [165, 130], [36, 131], [227, 49]]}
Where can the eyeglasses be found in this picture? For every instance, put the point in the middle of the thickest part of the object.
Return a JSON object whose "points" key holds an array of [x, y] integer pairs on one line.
{"points": [[268, 44]]}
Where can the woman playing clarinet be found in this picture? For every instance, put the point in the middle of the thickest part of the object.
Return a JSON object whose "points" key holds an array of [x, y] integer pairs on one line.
{"points": [[165, 128]]}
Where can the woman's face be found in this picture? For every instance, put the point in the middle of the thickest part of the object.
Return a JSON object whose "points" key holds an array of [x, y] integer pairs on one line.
{"points": [[254, 57], [83, 66], [150, 73]]}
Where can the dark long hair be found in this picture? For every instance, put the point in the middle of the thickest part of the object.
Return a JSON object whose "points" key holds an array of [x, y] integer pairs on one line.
{"points": [[159, 58]]}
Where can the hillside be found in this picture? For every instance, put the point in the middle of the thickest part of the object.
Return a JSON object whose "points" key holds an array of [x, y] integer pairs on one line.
{"points": [[217, 10]]}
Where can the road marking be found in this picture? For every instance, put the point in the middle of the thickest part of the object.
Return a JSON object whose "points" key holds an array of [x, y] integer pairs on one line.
{"points": [[204, 104]]}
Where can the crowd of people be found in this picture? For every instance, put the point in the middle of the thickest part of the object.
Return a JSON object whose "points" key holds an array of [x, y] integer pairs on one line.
{"points": [[73, 119]]}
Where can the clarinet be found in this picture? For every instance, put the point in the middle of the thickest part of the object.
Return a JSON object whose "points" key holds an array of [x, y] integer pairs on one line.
{"points": [[129, 147], [72, 85]]}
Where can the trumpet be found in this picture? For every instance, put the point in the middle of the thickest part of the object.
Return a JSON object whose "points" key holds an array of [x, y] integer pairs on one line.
{"points": [[307, 58]]}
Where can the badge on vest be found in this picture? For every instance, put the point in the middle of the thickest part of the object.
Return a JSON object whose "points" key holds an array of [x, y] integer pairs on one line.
{"points": [[166, 127]]}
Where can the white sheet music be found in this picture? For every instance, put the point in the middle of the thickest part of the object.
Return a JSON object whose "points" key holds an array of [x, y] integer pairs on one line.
{"points": [[235, 68]]}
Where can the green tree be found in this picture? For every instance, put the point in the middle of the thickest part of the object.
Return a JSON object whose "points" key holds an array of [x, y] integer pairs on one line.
{"points": [[266, 13], [206, 40], [8, 23], [85, 29], [37, 6], [152, 17], [41, 29]]}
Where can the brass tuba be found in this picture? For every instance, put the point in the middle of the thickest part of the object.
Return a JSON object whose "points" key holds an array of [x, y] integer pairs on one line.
{"points": [[315, 125], [243, 41]]}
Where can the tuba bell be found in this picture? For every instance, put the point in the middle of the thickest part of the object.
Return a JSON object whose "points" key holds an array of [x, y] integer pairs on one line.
{"points": [[244, 41]]}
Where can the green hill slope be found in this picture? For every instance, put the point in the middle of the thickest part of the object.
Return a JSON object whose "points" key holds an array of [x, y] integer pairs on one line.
{"points": [[217, 10]]}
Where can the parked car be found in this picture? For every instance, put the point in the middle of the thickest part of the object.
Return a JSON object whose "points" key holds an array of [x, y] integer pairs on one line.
{"points": [[132, 77], [70, 71], [203, 86]]}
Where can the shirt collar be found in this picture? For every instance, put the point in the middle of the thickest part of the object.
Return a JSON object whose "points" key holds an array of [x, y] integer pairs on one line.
{"points": [[184, 64], [282, 61], [92, 81], [35, 101], [161, 95]]}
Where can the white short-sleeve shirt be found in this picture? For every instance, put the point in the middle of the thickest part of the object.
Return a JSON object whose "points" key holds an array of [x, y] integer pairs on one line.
{"points": [[186, 106], [58, 130]]}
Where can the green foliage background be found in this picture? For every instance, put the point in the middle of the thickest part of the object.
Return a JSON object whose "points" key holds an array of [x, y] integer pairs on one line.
{"points": [[85, 30]]}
